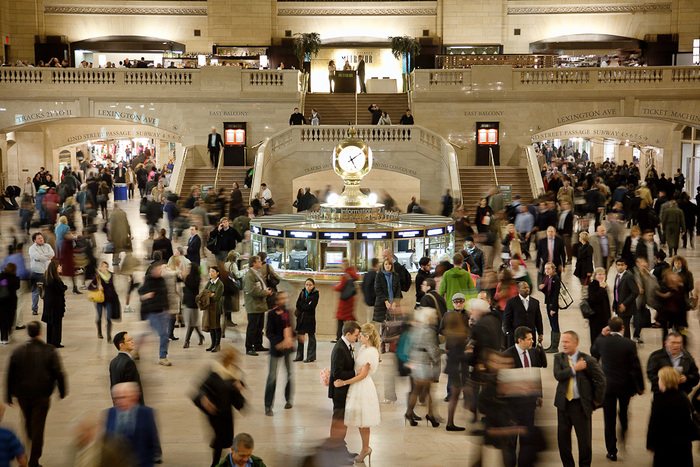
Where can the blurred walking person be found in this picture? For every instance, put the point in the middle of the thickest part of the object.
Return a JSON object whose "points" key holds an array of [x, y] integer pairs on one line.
{"points": [[306, 321], [54, 304]]}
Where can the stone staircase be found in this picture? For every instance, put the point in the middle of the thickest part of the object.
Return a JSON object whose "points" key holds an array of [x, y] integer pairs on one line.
{"points": [[476, 181], [339, 109], [205, 176]]}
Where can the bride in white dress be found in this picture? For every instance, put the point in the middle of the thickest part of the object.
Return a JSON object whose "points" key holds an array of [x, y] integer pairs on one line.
{"points": [[362, 403]]}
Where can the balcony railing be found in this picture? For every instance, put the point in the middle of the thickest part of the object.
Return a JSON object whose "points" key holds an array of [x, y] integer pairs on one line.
{"points": [[514, 60], [230, 80]]}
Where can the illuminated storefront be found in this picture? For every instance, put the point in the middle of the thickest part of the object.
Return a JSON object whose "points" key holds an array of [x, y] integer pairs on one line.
{"points": [[380, 66]]}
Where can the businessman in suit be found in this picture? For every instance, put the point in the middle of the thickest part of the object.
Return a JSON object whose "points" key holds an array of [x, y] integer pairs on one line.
{"points": [[565, 226], [623, 379], [625, 292], [194, 246], [550, 250], [580, 390], [523, 407], [214, 145], [134, 423], [522, 310], [342, 367], [122, 368], [674, 355], [34, 371]]}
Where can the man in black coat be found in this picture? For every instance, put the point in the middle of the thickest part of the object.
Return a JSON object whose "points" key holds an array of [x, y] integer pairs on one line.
{"points": [[551, 250], [522, 310], [475, 254], [565, 228], [523, 407], [674, 355], [623, 379], [214, 145], [422, 274], [432, 299], [376, 113], [647, 247], [625, 292], [34, 371], [368, 292], [342, 368], [361, 75], [580, 390], [194, 245], [226, 237], [122, 368]]}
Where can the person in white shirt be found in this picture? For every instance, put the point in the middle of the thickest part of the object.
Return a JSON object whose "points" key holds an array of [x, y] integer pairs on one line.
{"points": [[265, 196], [40, 255], [29, 188]]}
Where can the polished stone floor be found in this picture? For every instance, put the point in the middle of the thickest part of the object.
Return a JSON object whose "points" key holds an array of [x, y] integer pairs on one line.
{"points": [[290, 434]]}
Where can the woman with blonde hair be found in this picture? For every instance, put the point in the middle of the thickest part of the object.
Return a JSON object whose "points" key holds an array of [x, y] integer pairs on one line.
{"points": [[584, 260], [362, 402], [424, 360], [220, 391], [671, 428]]}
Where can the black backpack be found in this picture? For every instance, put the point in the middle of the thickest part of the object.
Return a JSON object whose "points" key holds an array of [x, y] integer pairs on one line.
{"points": [[404, 276]]}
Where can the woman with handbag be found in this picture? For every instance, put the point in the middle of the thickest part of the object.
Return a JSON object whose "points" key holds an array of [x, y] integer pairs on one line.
{"points": [[346, 302], [215, 308], [54, 304], [424, 361], [219, 392], [103, 295], [484, 216], [599, 302], [306, 321], [271, 278]]}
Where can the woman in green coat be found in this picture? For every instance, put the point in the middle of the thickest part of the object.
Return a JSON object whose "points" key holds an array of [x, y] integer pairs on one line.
{"points": [[216, 306]]}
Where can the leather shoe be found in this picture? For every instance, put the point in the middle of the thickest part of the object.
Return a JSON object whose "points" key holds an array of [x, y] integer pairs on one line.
{"points": [[252, 352], [268, 411], [309, 360], [261, 349], [298, 360], [19, 328], [612, 457]]}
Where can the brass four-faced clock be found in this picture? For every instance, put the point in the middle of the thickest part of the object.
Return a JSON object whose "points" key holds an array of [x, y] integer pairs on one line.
{"points": [[352, 158]]}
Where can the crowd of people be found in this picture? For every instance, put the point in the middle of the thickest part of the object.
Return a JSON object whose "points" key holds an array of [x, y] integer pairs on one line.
{"points": [[474, 316]]}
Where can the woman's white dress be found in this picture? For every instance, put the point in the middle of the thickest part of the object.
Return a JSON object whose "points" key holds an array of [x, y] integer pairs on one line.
{"points": [[362, 403]]}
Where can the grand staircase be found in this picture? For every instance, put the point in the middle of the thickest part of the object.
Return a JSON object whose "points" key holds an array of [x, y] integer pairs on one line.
{"points": [[339, 108], [205, 176], [476, 181]]}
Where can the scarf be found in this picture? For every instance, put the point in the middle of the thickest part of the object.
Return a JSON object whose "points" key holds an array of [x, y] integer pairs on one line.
{"points": [[471, 250], [677, 271], [389, 282], [105, 276]]}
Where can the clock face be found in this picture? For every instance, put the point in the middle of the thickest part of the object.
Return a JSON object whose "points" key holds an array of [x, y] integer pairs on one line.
{"points": [[352, 159]]}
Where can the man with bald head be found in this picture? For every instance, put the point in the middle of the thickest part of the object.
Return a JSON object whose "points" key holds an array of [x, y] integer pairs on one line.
{"points": [[134, 423]]}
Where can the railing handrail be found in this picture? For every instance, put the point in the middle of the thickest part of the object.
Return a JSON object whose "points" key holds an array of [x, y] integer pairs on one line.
{"points": [[492, 163], [179, 170], [218, 169], [304, 87], [533, 169]]}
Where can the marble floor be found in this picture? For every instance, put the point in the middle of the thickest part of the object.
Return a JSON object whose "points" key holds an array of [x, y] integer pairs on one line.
{"points": [[281, 440]]}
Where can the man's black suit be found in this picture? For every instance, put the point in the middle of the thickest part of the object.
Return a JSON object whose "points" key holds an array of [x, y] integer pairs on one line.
{"points": [[558, 257], [342, 367], [659, 359], [623, 379], [625, 293], [577, 412], [122, 369], [194, 245], [515, 315], [215, 148], [642, 252], [34, 371], [523, 410]]}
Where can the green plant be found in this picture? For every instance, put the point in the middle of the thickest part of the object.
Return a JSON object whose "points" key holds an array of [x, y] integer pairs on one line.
{"points": [[403, 48], [306, 43]]}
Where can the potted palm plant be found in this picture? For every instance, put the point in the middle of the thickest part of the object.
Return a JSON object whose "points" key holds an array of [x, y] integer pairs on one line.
{"points": [[405, 48], [306, 44]]}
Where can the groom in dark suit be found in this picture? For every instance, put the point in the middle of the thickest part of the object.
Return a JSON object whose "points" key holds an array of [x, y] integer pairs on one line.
{"points": [[342, 367], [522, 310]]}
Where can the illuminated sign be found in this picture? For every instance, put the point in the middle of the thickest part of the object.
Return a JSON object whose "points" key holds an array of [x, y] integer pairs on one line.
{"points": [[299, 234], [234, 136], [255, 229], [408, 234], [337, 235], [272, 232], [450, 228], [375, 235], [433, 232], [487, 136]]}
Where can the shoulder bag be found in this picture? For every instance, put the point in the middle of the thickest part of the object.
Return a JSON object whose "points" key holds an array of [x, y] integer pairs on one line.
{"points": [[349, 289], [97, 295], [565, 298], [586, 310]]}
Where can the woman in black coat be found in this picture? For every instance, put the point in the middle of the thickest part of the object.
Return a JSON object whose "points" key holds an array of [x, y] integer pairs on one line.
{"points": [[584, 259], [54, 304], [189, 293], [306, 321], [629, 249], [9, 284], [386, 298], [217, 394], [671, 428], [600, 303], [483, 211]]}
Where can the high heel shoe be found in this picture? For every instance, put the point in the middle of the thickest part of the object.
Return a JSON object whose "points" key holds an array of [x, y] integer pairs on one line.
{"points": [[364, 453], [431, 419], [410, 419]]}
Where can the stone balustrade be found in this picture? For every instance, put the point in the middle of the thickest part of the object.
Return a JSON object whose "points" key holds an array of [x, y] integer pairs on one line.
{"points": [[506, 78], [138, 82]]}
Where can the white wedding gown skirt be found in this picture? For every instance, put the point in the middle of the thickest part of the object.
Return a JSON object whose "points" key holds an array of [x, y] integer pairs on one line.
{"points": [[362, 403]]}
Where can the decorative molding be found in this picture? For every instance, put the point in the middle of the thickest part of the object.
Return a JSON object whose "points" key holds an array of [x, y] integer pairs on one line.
{"points": [[590, 9], [358, 11], [118, 10]]}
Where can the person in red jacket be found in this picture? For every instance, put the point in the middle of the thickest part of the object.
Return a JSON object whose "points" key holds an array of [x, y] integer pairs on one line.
{"points": [[346, 303]]}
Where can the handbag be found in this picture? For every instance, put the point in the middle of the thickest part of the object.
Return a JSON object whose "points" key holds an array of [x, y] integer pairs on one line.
{"points": [[565, 298], [586, 310], [390, 332], [96, 296], [116, 311], [348, 290], [271, 280], [541, 354]]}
